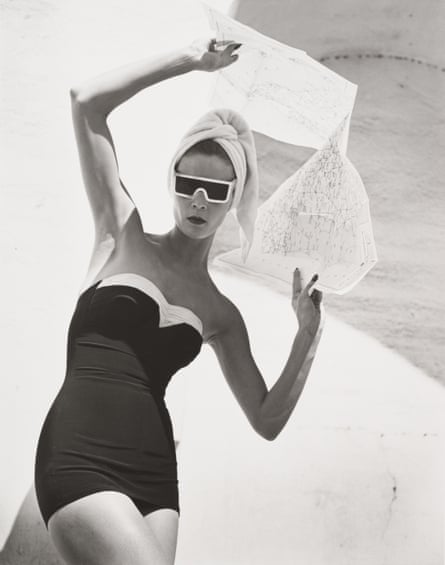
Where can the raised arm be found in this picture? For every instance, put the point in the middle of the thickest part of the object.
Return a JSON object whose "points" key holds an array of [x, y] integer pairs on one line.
{"points": [[92, 102], [269, 410]]}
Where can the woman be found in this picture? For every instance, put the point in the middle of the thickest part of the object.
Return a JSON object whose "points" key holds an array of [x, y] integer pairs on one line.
{"points": [[106, 467]]}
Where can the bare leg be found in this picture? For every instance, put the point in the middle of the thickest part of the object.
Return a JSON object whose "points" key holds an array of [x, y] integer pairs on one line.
{"points": [[164, 524], [29, 541], [106, 528]]}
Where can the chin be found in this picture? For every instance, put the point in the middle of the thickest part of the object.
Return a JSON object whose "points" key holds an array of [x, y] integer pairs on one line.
{"points": [[198, 232]]}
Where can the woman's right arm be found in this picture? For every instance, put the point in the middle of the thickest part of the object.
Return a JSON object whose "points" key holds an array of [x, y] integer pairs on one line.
{"points": [[93, 101], [91, 104]]}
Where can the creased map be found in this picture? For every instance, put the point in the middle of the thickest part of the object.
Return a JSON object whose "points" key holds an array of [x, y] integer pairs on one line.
{"points": [[280, 91], [318, 219]]}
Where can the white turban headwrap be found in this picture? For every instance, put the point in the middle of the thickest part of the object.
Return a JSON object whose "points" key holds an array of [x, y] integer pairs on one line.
{"points": [[231, 131]]}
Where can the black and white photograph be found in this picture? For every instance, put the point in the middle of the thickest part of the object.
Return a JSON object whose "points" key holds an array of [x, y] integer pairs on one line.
{"points": [[222, 314]]}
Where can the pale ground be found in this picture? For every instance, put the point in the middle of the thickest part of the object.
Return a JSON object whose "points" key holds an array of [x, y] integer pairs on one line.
{"points": [[363, 400], [356, 476]]}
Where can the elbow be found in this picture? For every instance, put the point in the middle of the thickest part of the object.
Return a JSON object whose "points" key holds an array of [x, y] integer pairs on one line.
{"points": [[266, 425], [268, 433], [270, 436], [87, 103], [80, 96], [76, 95]]}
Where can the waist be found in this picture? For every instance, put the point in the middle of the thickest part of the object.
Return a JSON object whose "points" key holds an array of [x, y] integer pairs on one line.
{"points": [[113, 361]]}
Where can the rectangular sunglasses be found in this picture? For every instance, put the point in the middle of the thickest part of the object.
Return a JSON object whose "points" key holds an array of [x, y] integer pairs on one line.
{"points": [[216, 191]]}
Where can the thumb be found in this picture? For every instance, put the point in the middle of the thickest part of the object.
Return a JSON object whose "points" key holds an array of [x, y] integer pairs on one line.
{"points": [[310, 284]]}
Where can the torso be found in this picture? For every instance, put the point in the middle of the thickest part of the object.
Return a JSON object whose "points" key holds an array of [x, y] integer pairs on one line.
{"points": [[144, 254]]}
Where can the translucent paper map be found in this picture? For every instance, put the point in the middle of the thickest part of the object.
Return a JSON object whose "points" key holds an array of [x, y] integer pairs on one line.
{"points": [[318, 219]]}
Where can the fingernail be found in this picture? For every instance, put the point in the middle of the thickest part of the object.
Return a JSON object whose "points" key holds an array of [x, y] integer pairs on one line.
{"points": [[315, 277], [238, 45]]}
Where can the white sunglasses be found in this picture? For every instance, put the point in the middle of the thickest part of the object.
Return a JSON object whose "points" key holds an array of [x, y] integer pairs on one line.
{"points": [[215, 191]]}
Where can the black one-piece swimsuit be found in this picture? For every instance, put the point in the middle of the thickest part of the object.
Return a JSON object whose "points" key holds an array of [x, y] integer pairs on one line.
{"points": [[109, 428]]}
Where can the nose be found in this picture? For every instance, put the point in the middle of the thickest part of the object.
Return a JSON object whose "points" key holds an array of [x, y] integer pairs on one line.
{"points": [[199, 200]]}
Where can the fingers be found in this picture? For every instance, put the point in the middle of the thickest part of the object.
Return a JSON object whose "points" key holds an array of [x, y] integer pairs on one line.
{"points": [[227, 43], [228, 56], [224, 50], [317, 297], [232, 47], [223, 46], [296, 283], [310, 284]]}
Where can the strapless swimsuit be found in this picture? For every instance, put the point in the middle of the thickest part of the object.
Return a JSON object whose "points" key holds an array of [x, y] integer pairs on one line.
{"points": [[109, 429]]}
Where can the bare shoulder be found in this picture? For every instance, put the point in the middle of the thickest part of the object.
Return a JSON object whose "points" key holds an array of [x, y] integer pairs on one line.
{"points": [[227, 319]]}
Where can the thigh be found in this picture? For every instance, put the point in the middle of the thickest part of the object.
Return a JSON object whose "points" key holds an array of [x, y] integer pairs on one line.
{"points": [[29, 541], [164, 524], [105, 528]]}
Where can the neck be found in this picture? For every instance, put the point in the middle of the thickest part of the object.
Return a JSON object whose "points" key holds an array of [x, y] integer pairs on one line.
{"points": [[188, 251]]}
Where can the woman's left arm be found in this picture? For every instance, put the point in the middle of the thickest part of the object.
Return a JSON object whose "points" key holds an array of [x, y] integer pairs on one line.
{"points": [[269, 410]]}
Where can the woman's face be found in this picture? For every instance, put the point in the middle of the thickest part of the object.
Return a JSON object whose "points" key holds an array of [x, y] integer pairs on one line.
{"points": [[196, 217]]}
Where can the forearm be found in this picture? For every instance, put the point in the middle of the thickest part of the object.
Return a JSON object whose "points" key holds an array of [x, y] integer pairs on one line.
{"points": [[109, 90], [280, 401]]}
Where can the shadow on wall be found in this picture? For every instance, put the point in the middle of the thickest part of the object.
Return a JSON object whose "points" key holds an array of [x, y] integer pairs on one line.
{"points": [[401, 27]]}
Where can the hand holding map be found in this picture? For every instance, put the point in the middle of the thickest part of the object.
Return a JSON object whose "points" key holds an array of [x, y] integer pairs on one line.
{"points": [[318, 219]]}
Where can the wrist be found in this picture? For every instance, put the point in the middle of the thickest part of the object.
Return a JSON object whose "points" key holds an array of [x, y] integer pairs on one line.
{"points": [[310, 331], [181, 61], [191, 58]]}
